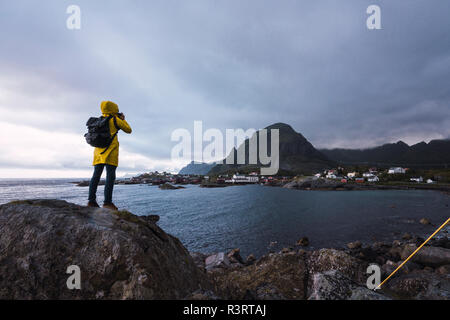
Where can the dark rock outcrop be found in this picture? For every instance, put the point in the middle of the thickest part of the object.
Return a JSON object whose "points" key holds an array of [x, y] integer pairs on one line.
{"points": [[120, 255], [168, 186], [276, 276], [420, 285], [303, 242], [427, 256]]}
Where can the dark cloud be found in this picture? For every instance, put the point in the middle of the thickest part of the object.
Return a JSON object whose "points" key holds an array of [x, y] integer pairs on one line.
{"points": [[312, 64]]}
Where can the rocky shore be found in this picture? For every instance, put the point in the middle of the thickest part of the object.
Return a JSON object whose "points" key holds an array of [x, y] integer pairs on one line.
{"points": [[322, 184], [123, 256], [331, 274]]}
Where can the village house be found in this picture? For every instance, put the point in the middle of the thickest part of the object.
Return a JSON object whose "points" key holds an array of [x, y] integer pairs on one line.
{"points": [[239, 178], [397, 170], [352, 174], [418, 180], [373, 179]]}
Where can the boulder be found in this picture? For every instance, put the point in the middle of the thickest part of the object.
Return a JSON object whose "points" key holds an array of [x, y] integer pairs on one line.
{"points": [[354, 245], [304, 242], [406, 236], [286, 250], [217, 260], [396, 243], [427, 256], [151, 218], [444, 270], [419, 285], [333, 285], [199, 259], [275, 276], [425, 221], [235, 256], [250, 259], [332, 259], [120, 255]]}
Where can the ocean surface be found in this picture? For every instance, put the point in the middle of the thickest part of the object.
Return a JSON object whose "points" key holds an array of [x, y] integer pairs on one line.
{"points": [[258, 219]]}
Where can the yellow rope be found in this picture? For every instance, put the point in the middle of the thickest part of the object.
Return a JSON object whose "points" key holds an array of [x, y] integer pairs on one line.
{"points": [[412, 254]]}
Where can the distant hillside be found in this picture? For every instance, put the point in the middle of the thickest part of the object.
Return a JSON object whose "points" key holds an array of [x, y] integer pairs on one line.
{"points": [[297, 155], [436, 153], [197, 168]]}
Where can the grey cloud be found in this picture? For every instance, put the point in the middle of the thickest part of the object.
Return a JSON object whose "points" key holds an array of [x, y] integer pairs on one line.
{"points": [[312, 64]]}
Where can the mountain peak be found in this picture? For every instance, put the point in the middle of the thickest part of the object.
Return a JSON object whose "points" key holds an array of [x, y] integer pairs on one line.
{"points": [[280, 126], [401, 143]]}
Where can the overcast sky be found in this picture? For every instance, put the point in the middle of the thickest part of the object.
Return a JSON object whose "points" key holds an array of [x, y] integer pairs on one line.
{"points": [[230, 63]]}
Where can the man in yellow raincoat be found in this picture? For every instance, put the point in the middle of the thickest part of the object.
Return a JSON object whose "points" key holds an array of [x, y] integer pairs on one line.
{"points": [[108, 158]]}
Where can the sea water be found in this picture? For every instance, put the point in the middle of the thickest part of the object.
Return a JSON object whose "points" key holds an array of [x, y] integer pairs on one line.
{"points": [[260, 219]]}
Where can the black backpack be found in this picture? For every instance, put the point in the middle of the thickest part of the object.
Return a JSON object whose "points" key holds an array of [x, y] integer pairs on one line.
{"points": [[99, 133]]}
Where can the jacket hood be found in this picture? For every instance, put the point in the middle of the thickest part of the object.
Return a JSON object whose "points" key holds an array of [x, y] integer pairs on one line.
{"points": [[109, 107]]}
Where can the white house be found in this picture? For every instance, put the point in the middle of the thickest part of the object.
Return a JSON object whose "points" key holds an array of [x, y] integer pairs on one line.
{"points": [[352, 174], [317, 175], [397, 170], [430, 181], [253, 179], [418, 180], [368, 175], [331, 176], [373, 179], [237, 178]]}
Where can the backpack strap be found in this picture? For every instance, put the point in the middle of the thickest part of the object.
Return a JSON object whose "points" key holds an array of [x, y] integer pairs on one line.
{"points": [[114, 135]]}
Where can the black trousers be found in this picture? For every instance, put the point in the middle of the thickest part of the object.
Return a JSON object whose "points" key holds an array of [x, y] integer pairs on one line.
{"points": [[109, 185]]}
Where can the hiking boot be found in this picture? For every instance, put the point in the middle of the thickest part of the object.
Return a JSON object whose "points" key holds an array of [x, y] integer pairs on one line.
{"points": [[110, 206], [93, 204]]}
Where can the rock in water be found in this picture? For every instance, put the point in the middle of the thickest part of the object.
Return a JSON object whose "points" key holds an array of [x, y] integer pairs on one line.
{"points": [[304, 242], [168, 186], [120, 255], [354, 245], [235, 256]]}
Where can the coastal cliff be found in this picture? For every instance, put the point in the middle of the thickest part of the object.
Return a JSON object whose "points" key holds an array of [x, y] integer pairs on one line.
{"points": [[123, 256]]}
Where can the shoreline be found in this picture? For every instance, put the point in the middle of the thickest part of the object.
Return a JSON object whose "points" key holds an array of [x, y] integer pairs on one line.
{"points": [[334, 186]]}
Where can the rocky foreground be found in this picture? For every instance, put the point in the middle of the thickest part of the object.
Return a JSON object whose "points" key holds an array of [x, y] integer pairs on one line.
{"points": [[122, 256]]}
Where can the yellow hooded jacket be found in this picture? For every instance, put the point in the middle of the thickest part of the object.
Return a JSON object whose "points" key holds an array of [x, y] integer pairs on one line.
{"points": [[111, 156]]}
